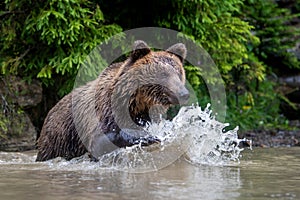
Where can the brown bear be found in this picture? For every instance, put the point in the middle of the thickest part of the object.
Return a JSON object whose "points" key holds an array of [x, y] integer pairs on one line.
{"points": [[111, 111]]}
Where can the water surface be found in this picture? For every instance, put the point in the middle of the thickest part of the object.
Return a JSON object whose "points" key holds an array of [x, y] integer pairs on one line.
{"points": [[261, 174]]}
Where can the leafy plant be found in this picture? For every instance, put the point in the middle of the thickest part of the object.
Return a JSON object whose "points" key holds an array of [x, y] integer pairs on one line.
{"points": [[50, 39], [273, 27], [257, 108], [214, 25]]}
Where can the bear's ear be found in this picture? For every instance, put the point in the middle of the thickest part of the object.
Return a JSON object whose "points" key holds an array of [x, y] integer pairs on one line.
{"points": [[179, 50], [140, 49]]}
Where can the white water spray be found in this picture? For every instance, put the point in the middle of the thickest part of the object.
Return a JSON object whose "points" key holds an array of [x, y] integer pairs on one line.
{"points": [[193, 133]]}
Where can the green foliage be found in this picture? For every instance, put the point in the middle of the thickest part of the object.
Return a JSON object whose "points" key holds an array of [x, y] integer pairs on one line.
{"points": [[48, 39], [257, 108], [253, 104], [213, 24], [273, 27]]}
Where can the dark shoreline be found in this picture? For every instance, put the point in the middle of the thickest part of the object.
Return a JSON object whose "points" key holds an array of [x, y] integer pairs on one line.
{"points": [[272, 138]]}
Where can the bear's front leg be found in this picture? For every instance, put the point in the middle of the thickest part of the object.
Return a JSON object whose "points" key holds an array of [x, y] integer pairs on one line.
{"points": [[104, 143], [128, 137]]}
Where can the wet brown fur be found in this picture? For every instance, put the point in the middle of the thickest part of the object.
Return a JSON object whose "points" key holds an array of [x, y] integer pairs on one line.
{"points": [[92, 106]]}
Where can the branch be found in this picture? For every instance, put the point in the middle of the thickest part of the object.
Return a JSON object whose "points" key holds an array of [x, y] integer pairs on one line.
{"points": [[24, 54]]}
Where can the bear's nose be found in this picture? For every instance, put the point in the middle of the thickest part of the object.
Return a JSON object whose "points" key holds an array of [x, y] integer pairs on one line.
{"points": [[184, 95]]}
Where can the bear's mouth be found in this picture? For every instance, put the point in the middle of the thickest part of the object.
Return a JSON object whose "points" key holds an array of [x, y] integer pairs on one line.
{"points": [[152, 101], [175, 99], [169, 98]]}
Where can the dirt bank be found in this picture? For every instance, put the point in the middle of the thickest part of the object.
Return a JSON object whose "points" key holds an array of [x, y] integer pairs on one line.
{"points": [[273, 138]]}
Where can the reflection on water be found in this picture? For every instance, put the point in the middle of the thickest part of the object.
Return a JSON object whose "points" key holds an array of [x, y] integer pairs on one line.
{"points": [[261, 174]]}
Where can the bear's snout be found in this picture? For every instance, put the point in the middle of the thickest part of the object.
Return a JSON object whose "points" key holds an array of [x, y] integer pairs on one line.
{"points": [[179, 96], [184, 95]]}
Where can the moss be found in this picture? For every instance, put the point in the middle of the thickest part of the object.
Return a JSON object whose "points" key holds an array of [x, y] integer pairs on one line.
{"points": [[4, 123]]}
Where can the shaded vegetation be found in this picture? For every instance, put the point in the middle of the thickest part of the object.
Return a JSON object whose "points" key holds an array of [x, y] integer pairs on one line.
{"points": [[49, 40]]}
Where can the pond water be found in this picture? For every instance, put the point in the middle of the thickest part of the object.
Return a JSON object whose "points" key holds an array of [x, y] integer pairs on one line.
{"points": [[261, 174]]}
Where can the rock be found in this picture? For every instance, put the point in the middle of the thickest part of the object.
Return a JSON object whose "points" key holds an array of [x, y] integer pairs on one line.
{"points": [[290, 88], [290, 111], [21, 92], [273, 138], [292, 81], [17, 132]]}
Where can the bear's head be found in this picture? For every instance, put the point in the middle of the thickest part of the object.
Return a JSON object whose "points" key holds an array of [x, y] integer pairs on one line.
{"points": [[149, 83]]}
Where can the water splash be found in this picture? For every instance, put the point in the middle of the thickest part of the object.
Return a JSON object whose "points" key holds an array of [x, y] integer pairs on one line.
{"points": [[210, 144], [193, 133]]}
